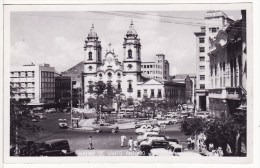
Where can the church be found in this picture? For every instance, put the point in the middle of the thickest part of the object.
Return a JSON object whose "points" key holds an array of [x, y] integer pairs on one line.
{"points": [[125, 75]]}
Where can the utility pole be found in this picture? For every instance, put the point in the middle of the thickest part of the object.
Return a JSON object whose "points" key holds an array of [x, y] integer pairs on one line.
{"points": [[71, 103]]}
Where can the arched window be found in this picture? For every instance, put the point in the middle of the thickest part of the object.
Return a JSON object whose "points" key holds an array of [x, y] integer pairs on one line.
{"points": [[90, 56], [130, 54]]}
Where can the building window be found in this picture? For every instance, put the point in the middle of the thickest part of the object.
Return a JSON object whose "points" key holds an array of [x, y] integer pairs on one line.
{"points": [[139, 93], [152, 93], [159, 93], [130, 54], [129, 66], [202, 86], [202, 59], [90, 68], [130, 89], [202, 67], [201, 40], [202, 49], [119, 86], [90, 56], [109, 74], [202, 77], [213, 30]]}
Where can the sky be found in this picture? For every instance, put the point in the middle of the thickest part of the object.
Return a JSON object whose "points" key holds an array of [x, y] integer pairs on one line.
{"points": [[57, 38]]}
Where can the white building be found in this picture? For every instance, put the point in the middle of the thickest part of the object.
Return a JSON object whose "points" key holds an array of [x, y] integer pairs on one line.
{"points": [[158, 69], [214, 21], [125, 75], [34, 82]]}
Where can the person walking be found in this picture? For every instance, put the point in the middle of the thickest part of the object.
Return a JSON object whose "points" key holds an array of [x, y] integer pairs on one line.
{"points": [[211, 146], [135, 143], [90, 143], [192, 142], [130, 144], [220, 152], [123, 138], [189, 142]]}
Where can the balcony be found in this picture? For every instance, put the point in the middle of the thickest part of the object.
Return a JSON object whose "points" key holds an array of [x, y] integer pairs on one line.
{"points": [[225, 93]]}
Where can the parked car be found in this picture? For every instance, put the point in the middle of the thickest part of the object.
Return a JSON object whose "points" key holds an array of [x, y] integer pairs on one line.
{"points": [[169, 150], [106, 127], [147, 128], [56, 147], [146, 122], [35, 118], [202, 114], [41, 115], [63, 123], [152, 142], [140, 138], [51, 110]]}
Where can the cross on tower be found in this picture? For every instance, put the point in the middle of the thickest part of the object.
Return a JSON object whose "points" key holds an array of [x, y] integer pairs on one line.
{"points": [[109, 46]]}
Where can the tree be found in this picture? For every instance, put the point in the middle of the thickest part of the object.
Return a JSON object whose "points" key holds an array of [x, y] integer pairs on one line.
{"points": [[193, 126], [103, 94], [221, 131], [20, 120]]}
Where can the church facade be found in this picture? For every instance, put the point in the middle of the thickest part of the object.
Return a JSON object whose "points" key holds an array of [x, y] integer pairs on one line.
{"points": [[126, 75]]}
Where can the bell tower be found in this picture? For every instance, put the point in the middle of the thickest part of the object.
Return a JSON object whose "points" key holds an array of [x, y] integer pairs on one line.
{"points": [[132, 61], [93, 59]]}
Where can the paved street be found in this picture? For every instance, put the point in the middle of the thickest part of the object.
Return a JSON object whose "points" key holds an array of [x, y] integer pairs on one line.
{"points": [[78, 139]]}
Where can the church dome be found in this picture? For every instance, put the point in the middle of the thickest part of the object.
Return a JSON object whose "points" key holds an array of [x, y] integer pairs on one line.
{"points": [[92, 34], [131, 31]]}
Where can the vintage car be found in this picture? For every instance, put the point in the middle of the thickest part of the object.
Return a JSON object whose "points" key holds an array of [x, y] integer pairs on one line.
{"points": [[55, 147], [151, 143], [63, 123], [106, 127], [146, 122], [202, 114], [140, 138], [169, 150], [147, 128]]}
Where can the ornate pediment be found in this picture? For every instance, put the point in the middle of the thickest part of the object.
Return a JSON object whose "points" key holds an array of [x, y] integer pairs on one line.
{"points": [[219, 40]]}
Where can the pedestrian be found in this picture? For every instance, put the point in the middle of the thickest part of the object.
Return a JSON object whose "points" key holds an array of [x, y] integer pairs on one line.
{"points": [[192, 142], [189, 142], [123, 138], [228, 150], [90, 143], [130, 144], [211, 146], [135, 143], [220, 152], [198, 144]]}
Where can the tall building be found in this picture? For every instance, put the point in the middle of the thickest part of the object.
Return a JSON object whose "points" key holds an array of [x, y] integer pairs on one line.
{"points": [[34, 82], [62, 90], [228, 72], [127, 75], [214, 21], [186, 80], [158, 69]]}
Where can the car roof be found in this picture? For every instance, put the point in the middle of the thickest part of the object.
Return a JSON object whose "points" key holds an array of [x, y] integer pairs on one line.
{"points": [[55, 140]]}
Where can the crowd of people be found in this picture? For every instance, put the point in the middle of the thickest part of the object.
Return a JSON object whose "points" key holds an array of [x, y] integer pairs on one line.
{"points": [[132, 144], [208, 150]]}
